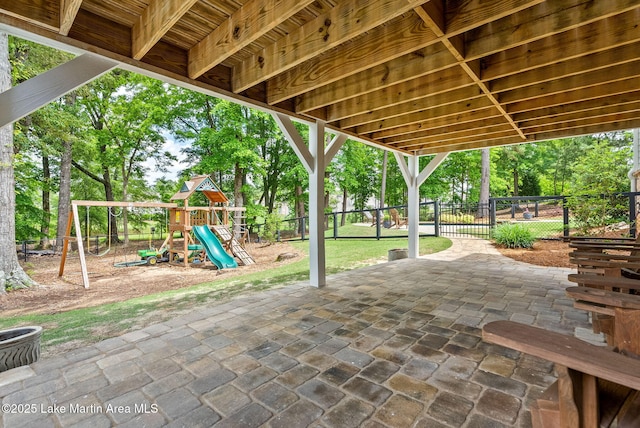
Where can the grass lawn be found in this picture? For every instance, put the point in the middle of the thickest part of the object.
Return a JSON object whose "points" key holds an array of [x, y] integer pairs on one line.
{"points": [[89, 325]]}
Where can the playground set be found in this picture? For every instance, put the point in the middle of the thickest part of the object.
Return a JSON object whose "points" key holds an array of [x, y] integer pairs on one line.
{"points": [[203, 232]]}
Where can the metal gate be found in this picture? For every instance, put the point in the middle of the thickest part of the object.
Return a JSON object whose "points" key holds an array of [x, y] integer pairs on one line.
{"points": [[465, 220]]}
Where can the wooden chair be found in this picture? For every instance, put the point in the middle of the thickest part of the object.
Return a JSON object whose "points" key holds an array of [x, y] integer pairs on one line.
{"points": [[371, 215], [396, 219], [596, 387]]}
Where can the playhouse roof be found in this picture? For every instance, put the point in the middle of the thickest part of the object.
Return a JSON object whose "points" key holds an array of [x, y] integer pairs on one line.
{"points": [[203, 184]]}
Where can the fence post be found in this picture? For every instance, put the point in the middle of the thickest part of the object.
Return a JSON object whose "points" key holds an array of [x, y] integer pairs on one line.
{"points": [[565, 217], [304, 227], [513, 210], [536, 209], [436, 217], [492, 212], [378, 221], [335, 226], [632, 214]]}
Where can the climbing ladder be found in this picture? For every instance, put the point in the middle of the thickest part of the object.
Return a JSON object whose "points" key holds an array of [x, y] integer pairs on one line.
{"points": [[228, 240]]}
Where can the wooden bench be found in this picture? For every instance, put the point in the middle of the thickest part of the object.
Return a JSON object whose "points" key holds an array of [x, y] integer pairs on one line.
{"points": [[612, 302], [596, 387]]}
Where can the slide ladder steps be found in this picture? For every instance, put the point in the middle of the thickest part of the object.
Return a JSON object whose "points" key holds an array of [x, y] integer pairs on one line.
{"points": [[226, 236]]}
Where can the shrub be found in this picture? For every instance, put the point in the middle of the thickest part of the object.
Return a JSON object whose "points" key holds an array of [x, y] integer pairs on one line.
{"points": [[271, 227], [513, 236], [459, 218]]}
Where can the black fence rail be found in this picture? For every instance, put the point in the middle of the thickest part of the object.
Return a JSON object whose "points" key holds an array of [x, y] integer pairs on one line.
{"points": [[548, 217]]}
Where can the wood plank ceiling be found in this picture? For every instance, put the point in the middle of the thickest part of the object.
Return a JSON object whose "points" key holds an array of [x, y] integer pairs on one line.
{"points": [[417, 77]]}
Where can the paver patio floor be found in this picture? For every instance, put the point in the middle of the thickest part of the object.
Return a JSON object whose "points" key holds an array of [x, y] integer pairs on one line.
{"points": [[396, 344]]}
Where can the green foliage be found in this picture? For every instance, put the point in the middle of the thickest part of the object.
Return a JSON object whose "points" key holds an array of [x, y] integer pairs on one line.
{"points": [[271, 227], [513, 236], [599, 175], [459, 218]]}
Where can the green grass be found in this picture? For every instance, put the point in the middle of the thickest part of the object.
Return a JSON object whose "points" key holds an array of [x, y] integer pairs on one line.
{"points": [[89, 325]]}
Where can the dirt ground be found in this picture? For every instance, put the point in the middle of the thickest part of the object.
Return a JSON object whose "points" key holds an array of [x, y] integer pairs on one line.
{"points": [[110, 284]]}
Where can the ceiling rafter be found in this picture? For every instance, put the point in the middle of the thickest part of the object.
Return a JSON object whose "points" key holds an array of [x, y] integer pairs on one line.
{"points": [[436, 20], [381, 45], [250, 22], [347, 20], [68, 11], [414, 76], [155, 21]]}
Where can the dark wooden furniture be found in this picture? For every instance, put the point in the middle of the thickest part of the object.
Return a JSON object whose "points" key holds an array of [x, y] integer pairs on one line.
{"points": [[596, 387]]}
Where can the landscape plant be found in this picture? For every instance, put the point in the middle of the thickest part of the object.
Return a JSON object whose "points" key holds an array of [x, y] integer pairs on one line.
{"points": [[512, 235]]}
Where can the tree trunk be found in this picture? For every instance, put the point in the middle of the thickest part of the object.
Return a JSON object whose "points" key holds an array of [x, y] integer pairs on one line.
{"points": [[300, 211], [46, 202], [343, 219], [483, 207], [64, 195], [383, 184], [11, 273], [238, 199]]}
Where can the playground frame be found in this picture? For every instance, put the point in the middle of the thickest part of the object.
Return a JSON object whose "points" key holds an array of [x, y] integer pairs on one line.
{"points": [[74, 220]]}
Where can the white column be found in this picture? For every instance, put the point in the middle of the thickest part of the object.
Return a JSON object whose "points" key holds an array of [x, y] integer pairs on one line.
{"points": [[315, 159], [413, 178], [413, 208], [317, 259]]}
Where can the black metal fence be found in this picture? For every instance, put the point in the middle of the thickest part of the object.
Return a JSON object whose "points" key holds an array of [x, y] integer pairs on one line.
{"points": [[548, 217]]}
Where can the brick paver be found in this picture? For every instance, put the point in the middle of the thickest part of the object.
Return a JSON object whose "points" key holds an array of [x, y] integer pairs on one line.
{"points": [[392, 345]]}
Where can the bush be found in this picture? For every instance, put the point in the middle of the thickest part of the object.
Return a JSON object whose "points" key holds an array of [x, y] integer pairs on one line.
{"points": [[271, 227], [513, 236], [459, 218]]}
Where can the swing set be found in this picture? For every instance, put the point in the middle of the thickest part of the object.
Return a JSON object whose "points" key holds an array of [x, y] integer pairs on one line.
{"points": [[74, 220]]}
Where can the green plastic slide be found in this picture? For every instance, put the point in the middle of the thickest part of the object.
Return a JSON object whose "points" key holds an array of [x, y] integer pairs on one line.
{"points": [[214, 249]]}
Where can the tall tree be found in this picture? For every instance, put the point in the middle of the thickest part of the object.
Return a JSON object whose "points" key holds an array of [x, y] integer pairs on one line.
{"points": [[11, 273], [485, 178]]}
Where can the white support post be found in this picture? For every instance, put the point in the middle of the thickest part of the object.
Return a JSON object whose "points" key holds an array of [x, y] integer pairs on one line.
{"points": [[315, 159], [413, 178], [40, 90], [317, 260]]}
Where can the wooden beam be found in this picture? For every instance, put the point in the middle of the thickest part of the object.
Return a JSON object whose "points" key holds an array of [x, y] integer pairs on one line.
{"points": [[68, 11], [479, 12], [598, 36], [468, 93], [467, 116], [455, 45], [471, 145], [572, 83], [435, 83], [449, 110], [579, 95], [583, 121], [619, 100], [443, 131], [431, 167], [156, 19], [42, 13], [411, 66], [347, 20], [367, 58], [250, 22], [540, 21], [568, 68], [40, 90], [501, 130], [564, 121], [452, 142]]}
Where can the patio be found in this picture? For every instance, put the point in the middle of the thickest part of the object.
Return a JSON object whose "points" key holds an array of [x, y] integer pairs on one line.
{"points": [[395, 344]]}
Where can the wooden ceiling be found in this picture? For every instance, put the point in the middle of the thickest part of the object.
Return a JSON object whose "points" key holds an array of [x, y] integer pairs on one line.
{"points": [[414, 76]]}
